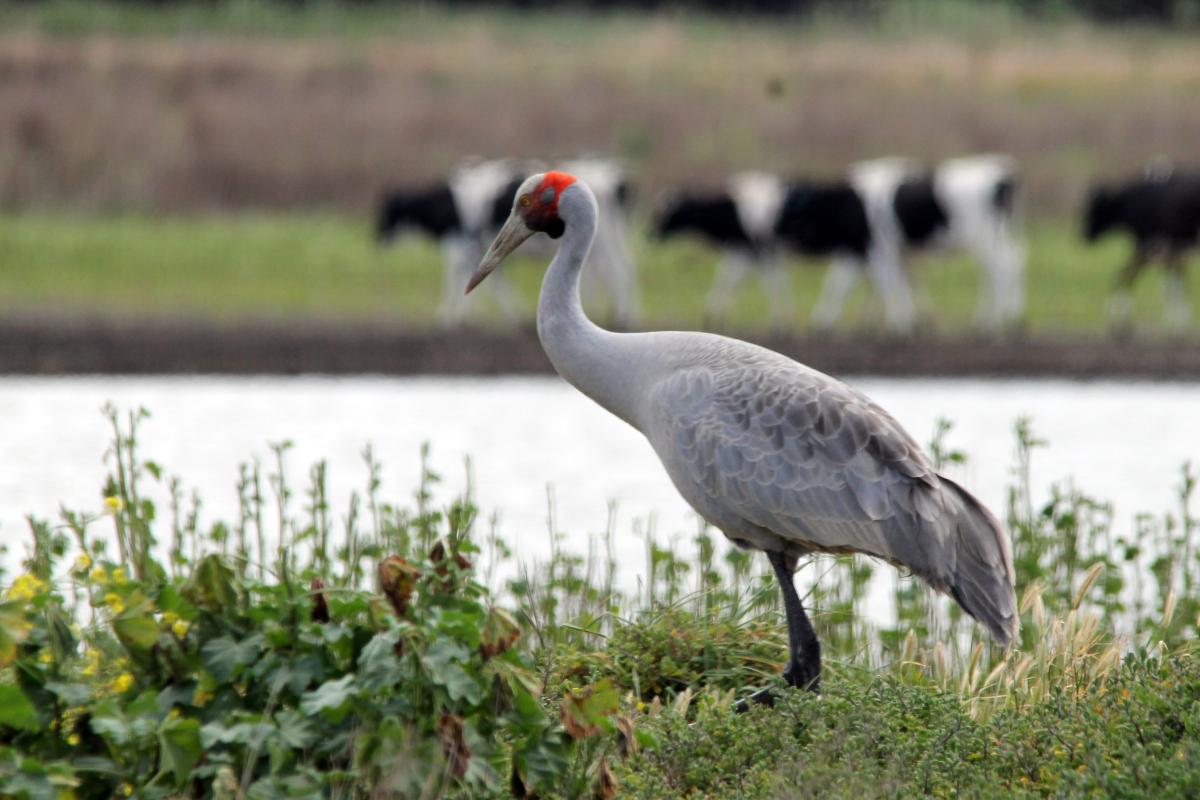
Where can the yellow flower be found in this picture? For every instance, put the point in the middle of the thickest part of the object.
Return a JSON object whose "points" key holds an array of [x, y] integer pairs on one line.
{"points": [[180, 628], [73, 740], [99, 575], [46, 656], [169, 618], [119, 577], [26, 587], [92, 656], [122, 682], [83, 562], [113, 504], [127, 789], [114, 602]]}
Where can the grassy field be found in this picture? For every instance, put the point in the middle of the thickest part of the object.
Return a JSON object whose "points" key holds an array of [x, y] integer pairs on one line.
{"points": [[370, 655], [293, 267]]}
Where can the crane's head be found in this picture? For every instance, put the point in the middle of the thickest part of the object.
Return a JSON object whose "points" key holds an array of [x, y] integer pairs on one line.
{"points": [[535, 210]]}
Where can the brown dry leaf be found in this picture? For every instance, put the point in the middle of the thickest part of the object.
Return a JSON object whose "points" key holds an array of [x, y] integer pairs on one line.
{"points": [[398, 579], [454, 747], [585, 712], [438, 556], [500, 632], [626, 741], [320, 610], [605, 787]]}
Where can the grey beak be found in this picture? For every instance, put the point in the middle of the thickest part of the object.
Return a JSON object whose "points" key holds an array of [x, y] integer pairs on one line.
{"points": [[508, 239]]}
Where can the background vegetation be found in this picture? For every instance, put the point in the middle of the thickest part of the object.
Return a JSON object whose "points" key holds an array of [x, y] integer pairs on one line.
{"points": [[132, 134]]}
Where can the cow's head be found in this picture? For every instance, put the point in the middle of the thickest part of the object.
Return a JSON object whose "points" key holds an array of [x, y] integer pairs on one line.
{"points": [[1100, 214]]}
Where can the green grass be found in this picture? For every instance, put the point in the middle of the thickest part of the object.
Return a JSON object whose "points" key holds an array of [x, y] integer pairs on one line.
{"points": [[298, 267]]}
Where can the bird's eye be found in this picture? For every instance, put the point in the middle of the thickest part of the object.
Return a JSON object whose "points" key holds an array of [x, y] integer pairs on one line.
{"points": [[525, 201]]}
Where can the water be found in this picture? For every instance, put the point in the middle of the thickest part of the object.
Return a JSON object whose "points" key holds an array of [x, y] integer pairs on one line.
{"points": [[1122, 442]]}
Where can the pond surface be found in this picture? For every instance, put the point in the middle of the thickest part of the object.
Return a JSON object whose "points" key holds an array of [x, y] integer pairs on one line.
{"points": [[1122, 443]]}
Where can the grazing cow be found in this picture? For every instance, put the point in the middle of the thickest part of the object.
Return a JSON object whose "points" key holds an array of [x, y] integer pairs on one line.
{"points": [[1160, 209], [464, 212], [457, 213], [740, 222], [866, 223], [967, 203]]}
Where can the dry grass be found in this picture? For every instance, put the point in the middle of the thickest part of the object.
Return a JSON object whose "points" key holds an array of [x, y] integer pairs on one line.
{"points": [[102, 122]]}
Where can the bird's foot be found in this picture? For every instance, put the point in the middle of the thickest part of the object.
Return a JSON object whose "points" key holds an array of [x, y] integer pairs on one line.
{"points": [[763, 697], [804, 674], [799, 674]]}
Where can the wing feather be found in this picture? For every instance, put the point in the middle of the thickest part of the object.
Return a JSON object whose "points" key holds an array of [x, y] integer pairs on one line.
{"points": [[794, 451]]}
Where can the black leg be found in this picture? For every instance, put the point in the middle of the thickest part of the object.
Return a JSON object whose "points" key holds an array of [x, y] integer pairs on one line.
{"points": [[804, 668], [804, 665]]}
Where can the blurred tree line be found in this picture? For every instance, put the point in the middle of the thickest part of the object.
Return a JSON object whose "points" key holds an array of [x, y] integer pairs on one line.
{"points": [[1163, 11], [1154, 11]]}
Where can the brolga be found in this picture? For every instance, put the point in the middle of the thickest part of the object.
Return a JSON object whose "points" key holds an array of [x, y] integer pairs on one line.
{"points": [[779, 457]]}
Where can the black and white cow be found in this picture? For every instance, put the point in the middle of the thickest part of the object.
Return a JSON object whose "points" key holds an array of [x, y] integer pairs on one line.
{"points": [[888, 209], [458, 213], [1160, 210], [738, 220], [466, 211], [867, 223]]}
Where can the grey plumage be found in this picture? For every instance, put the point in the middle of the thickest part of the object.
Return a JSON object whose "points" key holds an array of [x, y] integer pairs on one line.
{"points": [[782, 457]]}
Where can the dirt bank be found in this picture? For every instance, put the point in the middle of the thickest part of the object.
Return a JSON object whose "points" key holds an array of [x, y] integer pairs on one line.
{"points": [[40, 346]]}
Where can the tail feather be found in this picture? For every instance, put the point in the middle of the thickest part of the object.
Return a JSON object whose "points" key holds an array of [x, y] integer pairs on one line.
{"points": [[983, 581]]}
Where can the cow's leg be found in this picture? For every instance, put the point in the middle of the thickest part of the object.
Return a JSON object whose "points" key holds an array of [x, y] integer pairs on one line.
{"points": [[1120, 309], [841, 278], [781, 310], [506, 296], [620, 274], [457, 257], [1175, 297], [993, 283], [731, 273], [891, 282], [1012, 257]]}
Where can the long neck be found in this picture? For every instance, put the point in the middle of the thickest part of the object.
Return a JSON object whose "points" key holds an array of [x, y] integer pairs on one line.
{"points": [[597, 362]]}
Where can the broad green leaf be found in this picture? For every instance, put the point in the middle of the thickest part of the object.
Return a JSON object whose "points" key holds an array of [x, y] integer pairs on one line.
{"points": [[179, 747], [294, 729], [377, 663], [459, 684], [331, 699], [16, 711], [113, 728], [211, 585], [461, 625], [137, 631], [442, 652], [71, 694], [225, 657]]}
